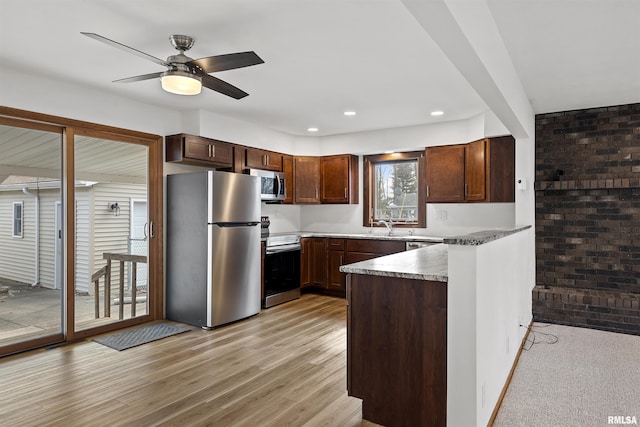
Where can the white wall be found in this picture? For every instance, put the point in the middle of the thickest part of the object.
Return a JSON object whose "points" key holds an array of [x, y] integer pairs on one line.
{"points": [[486, 309], [19, 89], [226, 128]]}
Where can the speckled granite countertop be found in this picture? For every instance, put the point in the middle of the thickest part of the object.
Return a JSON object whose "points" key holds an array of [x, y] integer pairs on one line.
{"points": [[485, 236], [428, 263], [374, 236]]}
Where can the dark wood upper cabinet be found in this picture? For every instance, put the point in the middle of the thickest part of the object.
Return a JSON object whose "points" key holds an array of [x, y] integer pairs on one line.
{"points": [[445, 173], [501, 177], [339, 179], [263, 159], [287, 169], [306, 171], [475, 168], [199, 151], [481, 171]]}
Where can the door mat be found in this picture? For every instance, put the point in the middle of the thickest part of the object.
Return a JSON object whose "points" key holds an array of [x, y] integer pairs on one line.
{"points": [[138, 336]]}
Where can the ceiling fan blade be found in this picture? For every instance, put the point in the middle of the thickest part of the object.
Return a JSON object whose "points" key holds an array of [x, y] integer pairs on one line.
{"points": [[139, 78], [229, 61], [126, 48], [223, 87]]}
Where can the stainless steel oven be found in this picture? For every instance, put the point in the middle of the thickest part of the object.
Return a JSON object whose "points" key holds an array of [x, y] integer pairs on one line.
{"points": [[281, 269]]}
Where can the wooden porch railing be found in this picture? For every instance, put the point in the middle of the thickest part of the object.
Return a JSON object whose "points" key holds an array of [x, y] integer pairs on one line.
{"points": [[106, 272]]}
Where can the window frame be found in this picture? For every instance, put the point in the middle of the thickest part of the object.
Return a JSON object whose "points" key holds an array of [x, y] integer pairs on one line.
{"points": [[14, 219], [368, 180]]}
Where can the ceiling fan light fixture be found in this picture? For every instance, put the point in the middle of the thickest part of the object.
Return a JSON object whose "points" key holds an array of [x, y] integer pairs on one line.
{"points": [[181, 83]]}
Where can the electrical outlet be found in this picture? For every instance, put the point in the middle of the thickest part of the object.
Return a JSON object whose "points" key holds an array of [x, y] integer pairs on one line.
{"points": [[441, 215]]}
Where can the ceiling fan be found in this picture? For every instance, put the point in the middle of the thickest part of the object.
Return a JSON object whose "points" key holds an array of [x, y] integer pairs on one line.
{"points": [[184, 75]]}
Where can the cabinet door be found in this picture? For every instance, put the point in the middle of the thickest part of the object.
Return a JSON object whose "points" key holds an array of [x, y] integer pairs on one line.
{"points": [[305, 262], [476, 171], [319, 262], [336, 280], [501, 152], [445, 173], [196, 150], [339, 179], [263, 159], [287, 168], [306, 172], [208, 149]]}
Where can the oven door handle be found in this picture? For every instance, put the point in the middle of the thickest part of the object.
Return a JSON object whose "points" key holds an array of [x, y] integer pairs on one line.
{"points": [[283, 248]]}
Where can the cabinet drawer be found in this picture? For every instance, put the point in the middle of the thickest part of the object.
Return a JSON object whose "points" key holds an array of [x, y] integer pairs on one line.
{"points": [[336, 244], [359, 256], [382, 247]]}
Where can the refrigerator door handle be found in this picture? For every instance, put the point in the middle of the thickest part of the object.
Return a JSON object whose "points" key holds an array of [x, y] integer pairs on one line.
{"points": [[237, 224]]}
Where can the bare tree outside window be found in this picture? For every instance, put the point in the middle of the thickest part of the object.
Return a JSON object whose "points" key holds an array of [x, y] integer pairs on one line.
{"points": [[394, 187], [396, 191]]}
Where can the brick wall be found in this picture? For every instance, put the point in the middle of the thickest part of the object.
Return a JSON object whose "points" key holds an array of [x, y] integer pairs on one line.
{"points": [[588, 218]]}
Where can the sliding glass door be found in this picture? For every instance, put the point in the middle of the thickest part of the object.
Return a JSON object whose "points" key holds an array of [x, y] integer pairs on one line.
{"points": [[111, 231], [31, 293], [80, 245]]}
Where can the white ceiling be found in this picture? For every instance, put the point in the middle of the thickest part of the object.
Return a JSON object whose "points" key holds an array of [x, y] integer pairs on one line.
{"points": [[323, 57]]}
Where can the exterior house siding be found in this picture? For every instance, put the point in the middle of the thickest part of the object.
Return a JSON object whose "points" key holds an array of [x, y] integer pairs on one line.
{"points": [[111, 232], [97, 231], [84, 265], [48, 201], [17, 254]]}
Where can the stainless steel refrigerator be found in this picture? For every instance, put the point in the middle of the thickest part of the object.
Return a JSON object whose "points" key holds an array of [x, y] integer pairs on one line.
{"points": [[212, 248]]}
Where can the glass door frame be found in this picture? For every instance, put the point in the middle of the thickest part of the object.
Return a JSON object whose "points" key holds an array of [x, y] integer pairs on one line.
{"points": [[69, 128]]}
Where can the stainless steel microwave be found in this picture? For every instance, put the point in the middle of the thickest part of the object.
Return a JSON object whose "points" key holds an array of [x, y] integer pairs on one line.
{"points": [[272, 185]]}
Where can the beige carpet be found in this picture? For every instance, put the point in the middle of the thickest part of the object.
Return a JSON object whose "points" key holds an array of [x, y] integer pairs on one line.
{"points": [[573, 377]]}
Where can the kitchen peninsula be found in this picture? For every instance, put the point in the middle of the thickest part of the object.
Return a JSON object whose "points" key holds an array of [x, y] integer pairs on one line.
{"points": [[433, 333]]}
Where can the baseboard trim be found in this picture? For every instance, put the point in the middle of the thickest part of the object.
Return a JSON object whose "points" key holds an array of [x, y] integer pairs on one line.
{"points": [[494, 414]]}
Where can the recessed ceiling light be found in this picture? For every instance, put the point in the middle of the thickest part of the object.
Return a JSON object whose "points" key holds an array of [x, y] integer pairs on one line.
{"points": [[437, 113], [349, 113], [312, 129], [389, 152]]}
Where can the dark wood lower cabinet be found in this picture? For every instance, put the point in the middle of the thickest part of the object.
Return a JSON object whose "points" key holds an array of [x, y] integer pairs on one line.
{"points": [[322, 257], [397, 349], [336, 280]]}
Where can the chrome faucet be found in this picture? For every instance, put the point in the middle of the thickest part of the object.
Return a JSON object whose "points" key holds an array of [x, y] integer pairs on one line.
{"points": [[388, 224]]}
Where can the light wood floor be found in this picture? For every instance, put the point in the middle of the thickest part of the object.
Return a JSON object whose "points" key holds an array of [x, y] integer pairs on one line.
{"points": [[286, 366]]}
